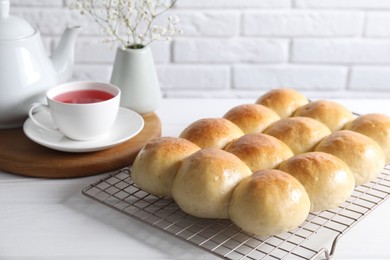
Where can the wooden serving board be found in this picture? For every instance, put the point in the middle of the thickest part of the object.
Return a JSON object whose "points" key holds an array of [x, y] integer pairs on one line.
{"points": [[20, 155]]}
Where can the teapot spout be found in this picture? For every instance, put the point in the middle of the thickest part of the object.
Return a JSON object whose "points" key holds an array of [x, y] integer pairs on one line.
{"points": [[63, 55]]}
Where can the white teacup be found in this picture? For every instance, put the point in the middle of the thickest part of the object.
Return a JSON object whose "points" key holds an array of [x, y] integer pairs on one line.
{"points": [[81, 110]]}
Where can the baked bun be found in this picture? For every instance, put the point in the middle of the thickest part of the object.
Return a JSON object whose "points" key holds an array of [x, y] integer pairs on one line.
{"points": [[328, 180], [283, 101], [205, 181], [251, 118], [301, 134], [259, 151], [156, 165], [330, 113], [211, 132], [269, 202], [375, 126], [362, 155]]}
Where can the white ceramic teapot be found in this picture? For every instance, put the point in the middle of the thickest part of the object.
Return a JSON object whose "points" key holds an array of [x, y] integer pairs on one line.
{"points": [[26, 72]]}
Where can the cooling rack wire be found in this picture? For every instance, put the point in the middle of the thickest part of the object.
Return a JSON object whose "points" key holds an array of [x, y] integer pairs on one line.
{"points": [[222, 238]]}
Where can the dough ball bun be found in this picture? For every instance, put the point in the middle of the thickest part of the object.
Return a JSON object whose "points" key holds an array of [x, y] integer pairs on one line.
{"points": [[328, 180], [330, 113], [211, 132], [283, 101], [251, 118], [362, 155], [375, 126], [259, 151], [205, 181], [156, 165], [269, 202], [301, 134]]}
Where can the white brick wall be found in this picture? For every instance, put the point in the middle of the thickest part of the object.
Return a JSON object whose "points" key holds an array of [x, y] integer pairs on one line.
{"points": [[241, 48]]}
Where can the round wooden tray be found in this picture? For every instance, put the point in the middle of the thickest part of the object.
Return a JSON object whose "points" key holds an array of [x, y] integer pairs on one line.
{"points": [[20, 155]]}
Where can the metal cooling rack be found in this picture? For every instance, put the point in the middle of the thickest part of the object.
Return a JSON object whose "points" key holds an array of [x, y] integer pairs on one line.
{"points": [[223, 238]]}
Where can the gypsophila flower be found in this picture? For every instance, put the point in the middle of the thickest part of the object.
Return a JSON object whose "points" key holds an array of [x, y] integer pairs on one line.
{"points": [[130, 22]]}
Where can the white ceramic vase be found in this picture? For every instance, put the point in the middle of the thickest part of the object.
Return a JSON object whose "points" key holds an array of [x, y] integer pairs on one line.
{"points": [[135, 74]]}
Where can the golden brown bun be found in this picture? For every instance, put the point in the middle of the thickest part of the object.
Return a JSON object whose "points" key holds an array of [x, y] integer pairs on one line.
{"points": [[301, 134], [363, 155], [283, 101], [251, 118], [375, 126], [259, 151], [205, 181], [330, 113], [269, 202], [156, 165], [328, 180], [211, 132]]}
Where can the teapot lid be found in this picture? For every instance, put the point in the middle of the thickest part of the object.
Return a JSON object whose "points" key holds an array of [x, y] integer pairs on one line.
{"points": [[12, 27]]}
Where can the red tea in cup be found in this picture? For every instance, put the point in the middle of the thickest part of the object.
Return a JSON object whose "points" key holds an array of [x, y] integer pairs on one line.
{"points": [[83, 96], [83, 110]]}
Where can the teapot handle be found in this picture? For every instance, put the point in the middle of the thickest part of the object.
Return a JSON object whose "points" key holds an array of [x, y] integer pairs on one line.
{"points": [[4, 9]]}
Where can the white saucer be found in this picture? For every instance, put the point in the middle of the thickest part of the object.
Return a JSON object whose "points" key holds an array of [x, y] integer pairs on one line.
{"points": [[127, 125]]}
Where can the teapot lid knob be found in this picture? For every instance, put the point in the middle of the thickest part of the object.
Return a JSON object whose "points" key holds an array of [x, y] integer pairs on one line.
{"points": [[12, 27], [4, 8]]}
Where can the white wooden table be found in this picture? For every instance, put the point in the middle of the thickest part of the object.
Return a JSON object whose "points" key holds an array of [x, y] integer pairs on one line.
{"points": [[51, 219]]}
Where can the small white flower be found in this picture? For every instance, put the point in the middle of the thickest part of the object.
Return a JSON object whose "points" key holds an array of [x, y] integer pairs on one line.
{"points": [[156, 37], [129, 22]]}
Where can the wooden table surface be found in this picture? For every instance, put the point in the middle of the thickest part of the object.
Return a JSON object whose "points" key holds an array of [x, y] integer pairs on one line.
{"points": [[50, 219]]}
